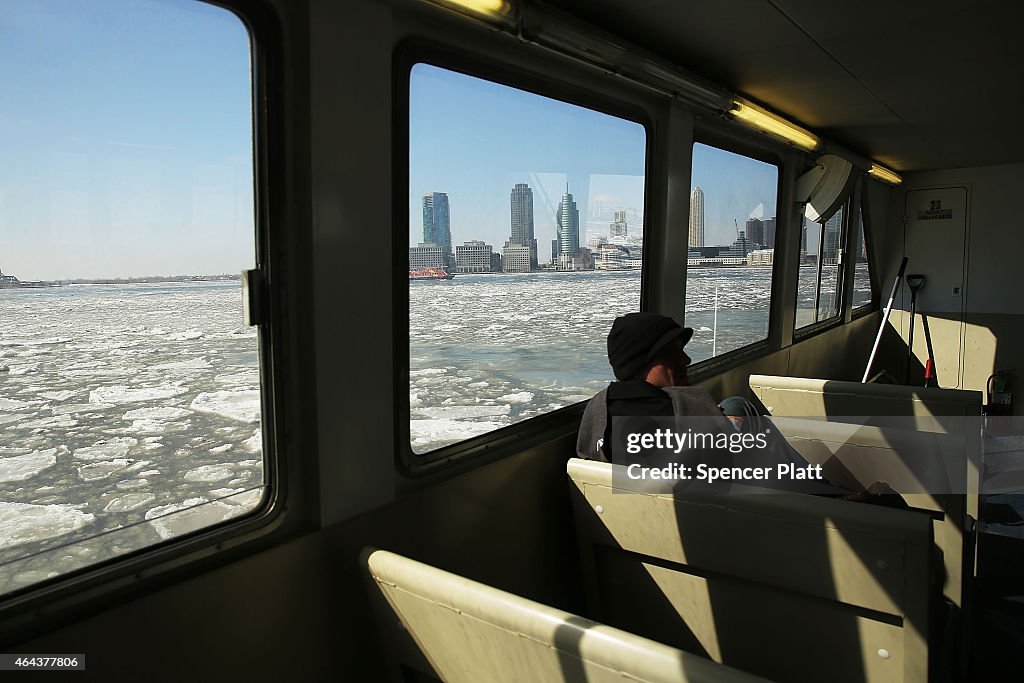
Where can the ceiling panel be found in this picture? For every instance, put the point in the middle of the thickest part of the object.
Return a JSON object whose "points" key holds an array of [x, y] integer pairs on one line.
{"points": [[916, 84]]}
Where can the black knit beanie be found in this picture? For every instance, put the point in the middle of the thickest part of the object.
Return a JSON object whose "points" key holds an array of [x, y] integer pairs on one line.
{"points": [[636, 339]]}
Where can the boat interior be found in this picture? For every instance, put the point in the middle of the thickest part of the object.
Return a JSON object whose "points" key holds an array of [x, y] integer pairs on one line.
{"points": [[504, 557]]}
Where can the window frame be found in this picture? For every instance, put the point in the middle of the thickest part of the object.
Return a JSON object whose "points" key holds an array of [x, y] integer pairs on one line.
{"points": [[864, 215], [40, 606], [539, 428], [813, 328], [745, 146]]}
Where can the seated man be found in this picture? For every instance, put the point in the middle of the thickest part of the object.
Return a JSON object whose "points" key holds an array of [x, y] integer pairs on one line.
{"points": [[646, 354]]}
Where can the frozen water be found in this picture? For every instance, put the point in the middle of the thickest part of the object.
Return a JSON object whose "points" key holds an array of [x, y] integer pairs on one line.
{"points": [[129, 502], [21, 467], [193, 364], [428, 432], [73, 434], [102, 470], [519, 397], [23, 522], [117, 447], [243, 406], [457, 412], [11, 404], [58, 395], [161, 413], [209, 473], [121, 394]]}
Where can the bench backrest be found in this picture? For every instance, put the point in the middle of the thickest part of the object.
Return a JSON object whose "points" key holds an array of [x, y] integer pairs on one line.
{"points": [[862, 455], [469, 632], [786, 586]]}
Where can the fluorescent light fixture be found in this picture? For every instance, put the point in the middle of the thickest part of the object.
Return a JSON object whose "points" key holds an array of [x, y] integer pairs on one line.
{"points": [[486, 8], [765, 121], [884, 174]]}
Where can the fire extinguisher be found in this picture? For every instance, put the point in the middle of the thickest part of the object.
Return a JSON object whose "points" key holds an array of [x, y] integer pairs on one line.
{"points": [[1000, 398]]}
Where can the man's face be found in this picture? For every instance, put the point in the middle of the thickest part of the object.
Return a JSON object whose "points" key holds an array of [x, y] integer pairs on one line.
{"points": [[679, 362], [671, 370]]}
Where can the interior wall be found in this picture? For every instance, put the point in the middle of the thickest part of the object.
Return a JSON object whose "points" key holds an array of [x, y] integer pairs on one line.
{"points": [[988, 331]]}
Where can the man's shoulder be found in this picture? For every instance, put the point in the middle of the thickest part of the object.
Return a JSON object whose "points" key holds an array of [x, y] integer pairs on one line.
{"points": [[692, 401]]}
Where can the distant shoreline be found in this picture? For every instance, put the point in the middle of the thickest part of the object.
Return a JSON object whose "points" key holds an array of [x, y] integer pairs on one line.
{"points": [[149, 279]]}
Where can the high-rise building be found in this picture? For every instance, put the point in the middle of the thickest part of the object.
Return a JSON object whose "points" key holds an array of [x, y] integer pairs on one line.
{"points": [[567, 221], [769, 232], [697, 217], [522, 220], [831, 241], [437, 227], [755, 231], [619, 227], [474, 256]]}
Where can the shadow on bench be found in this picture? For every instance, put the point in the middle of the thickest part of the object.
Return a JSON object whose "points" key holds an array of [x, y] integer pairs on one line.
{"points": [[787, 586], [463, 631]]}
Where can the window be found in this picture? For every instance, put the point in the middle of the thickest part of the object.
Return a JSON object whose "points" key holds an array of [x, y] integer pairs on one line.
{"points": [[861, 265], [731, 251], [819, 288], [129, 387], [525, 242]]}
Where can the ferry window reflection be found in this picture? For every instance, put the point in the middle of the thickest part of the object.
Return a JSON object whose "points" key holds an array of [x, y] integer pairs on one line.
{"points": [[525, 239], [819, 288], [861, 266], [731, 251], [129, 386]]}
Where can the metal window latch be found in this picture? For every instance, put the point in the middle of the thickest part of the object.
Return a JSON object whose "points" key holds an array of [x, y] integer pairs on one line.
{"points": [[254, 297]]}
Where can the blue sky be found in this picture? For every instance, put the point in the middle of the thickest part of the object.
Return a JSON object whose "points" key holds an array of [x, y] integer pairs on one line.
{"points": [[126, 135], [474, 140], [126, 130]]}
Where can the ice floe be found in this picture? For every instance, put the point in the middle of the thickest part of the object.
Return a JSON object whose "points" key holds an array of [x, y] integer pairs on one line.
{"points": [[427, 432], [58, 395], [243, 406], [102, 470], [174, 522], [457, 412], [13, 404], [129, 502], [117, 447], [72, 408], [157, 413], [254, 443], [22, 467], [25, 522], [209, 473], [191, 364], [518, 397], [122, 394]]}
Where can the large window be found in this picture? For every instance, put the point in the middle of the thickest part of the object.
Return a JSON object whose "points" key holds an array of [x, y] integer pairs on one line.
{"points": [[129, 387], [525, 241], [731, 251], [819, 288]]}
